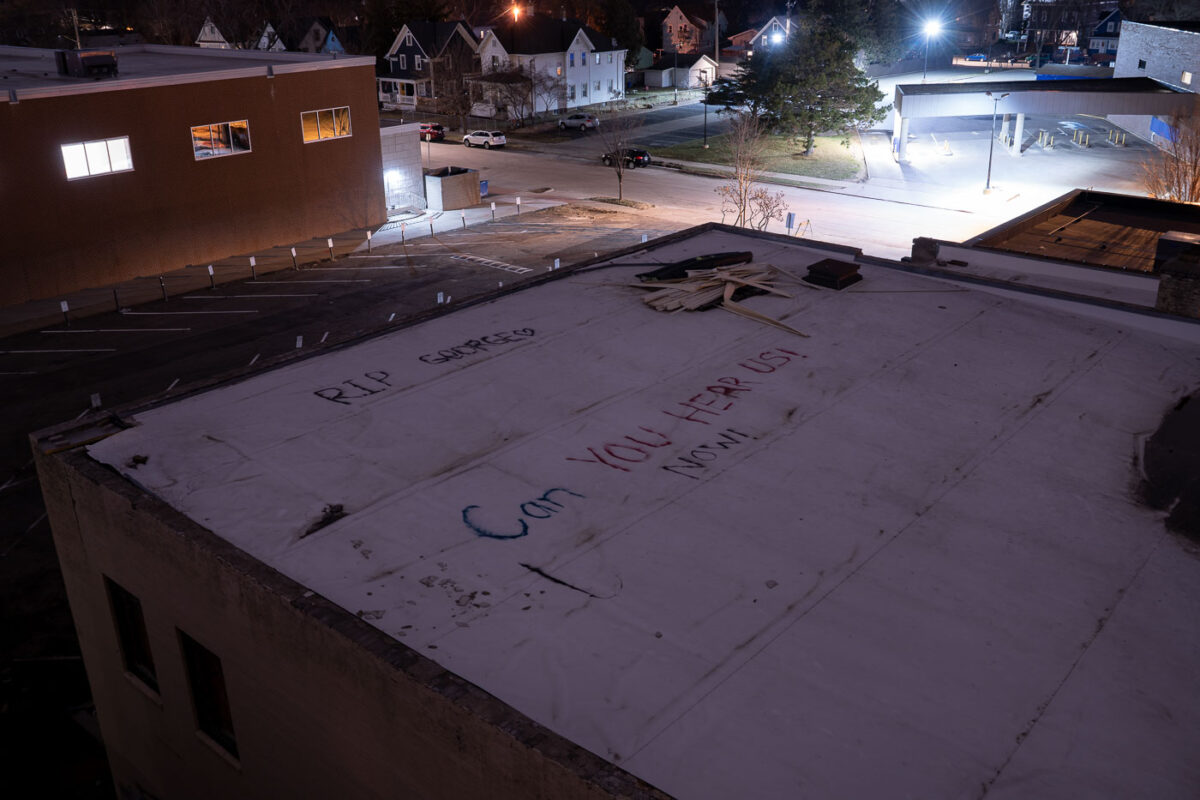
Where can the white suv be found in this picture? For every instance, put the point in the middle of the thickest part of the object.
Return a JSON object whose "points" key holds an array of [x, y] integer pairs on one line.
{"points": [[488, 139], [580, 121]]}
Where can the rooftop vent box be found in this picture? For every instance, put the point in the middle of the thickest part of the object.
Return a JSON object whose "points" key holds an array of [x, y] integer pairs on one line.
{"points": [[86, 63], [1172, 244], [833, 274]]}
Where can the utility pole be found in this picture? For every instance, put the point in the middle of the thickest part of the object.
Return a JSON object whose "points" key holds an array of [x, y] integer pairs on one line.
{"points": [[717, 32]]}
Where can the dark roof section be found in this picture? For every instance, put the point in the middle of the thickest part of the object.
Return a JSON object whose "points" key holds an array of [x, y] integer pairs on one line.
{"points": [[542, 34], [1081, 85], [1095, 228], [434, 36]]}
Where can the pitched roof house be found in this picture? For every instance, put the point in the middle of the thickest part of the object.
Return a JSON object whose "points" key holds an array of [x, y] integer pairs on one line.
{"points": [[690, 30], [426, 63], [567, 63], [321, 37], [210, 37]]}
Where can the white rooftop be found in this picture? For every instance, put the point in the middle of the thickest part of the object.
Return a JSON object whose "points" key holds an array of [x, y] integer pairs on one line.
{"points": [[902, 557]]}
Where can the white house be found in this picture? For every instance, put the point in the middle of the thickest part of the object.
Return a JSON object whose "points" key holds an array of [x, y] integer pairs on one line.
{"points": [[691, 30], [211, 37], [569, 65], [685, 71]]}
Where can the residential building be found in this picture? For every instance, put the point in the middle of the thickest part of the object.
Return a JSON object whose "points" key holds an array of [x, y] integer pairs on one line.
{"points": [[322, 36], [541, 64], [1167, 52], [182, 156], [1106, 36], [562, 545], [210, 36], [682, 71], [774, 31], [426, 63], [691, 30]]}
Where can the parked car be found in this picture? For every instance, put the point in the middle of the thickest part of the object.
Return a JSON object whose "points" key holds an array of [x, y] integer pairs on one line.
{"points": [[632, 156], [977, 57], [432, 132], [580, 121], [488, 139]]}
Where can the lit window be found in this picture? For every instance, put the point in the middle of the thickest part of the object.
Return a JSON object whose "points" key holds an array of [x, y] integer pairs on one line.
{"points": [[571, 58], [402, 60], [85, 159], [1186, 78], [131, 634], [221, 139], [329, 123], [209, 696], [558, 71]]}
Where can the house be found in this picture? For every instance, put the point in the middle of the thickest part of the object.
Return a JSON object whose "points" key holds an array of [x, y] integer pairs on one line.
{"points": [[1106, 35], [186, 156], [560, 545], [321, 37], [774, 31], [681, 70], [540, 64], [210, 36], [425, 65], [268, 39], [1168, 52], [691, 30]]}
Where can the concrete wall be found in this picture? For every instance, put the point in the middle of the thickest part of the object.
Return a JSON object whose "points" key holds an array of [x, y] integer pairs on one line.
{"points": [[323, 704], [449, 188], [1167, 54], [173, 210], [403, 179]]}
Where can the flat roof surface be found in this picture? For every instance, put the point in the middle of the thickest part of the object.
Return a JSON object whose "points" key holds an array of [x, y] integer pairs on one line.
{"points": [[1096, 228], [32, 69], [901, 557], [1103, 86]]}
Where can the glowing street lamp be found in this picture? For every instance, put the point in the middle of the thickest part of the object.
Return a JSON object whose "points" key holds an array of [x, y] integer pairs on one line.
{"points": [[776, 37], [932, 28], [516, 12]]}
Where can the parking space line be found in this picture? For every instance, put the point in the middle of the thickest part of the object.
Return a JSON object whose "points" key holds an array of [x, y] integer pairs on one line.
{"points": [[89, 350], [256, 355], [18, 373], [348, 280], [170, 313], [243, 296], [115, 330]]}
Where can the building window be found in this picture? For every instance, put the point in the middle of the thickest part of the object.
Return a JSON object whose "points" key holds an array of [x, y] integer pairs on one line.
{"points": [[1186, 78], [571, 59], [495, 63], [610, 85], [416, 62], [1110, 27], [597, 87], [402, 61], [131, 634], [221, 139], [85, 159], [597, 58], [571, 92], [206, 680], [408, 40], [583, 89], [1141, 63], [558, 71], [328, 123], [610, 58]]}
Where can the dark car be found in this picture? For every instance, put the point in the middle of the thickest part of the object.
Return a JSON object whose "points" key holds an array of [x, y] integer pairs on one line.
{"points": [[632, 156], [432, 132]]}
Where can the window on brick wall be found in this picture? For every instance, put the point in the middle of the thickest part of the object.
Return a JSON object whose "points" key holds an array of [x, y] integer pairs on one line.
{"points": [[131, 633], [220, 139], [85, 159], [328, 123], [206, 679]]}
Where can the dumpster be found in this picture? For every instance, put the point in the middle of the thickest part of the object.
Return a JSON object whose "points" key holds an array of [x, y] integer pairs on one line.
{"points": [[483, 188]]}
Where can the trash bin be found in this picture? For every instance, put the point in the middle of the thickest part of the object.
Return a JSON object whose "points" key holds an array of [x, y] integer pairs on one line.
{"points": [[483, 188]]}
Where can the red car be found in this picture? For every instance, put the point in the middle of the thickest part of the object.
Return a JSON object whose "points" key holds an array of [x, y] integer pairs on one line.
{"points": [[432, 132]]}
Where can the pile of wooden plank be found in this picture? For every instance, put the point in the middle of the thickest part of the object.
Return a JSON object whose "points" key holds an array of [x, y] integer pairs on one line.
{"points": [[709, 288]]}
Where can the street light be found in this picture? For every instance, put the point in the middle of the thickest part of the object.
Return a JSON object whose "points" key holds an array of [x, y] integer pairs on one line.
{"points": [[992, 144], [932, 28]]}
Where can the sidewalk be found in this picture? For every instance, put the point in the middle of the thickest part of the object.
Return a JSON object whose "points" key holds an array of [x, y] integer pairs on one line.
{"points": [[399, 228]]}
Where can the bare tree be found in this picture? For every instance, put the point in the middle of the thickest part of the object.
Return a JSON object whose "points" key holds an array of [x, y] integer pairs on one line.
{"points": [[1174, 174], [616, 134], [550, 91], [743, 197]]}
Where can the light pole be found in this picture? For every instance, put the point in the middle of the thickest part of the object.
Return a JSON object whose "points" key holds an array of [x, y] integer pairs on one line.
{"points": [[704, 102], [992, 143], [932, 28]]}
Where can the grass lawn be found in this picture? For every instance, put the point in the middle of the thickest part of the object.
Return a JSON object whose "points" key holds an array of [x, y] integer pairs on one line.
{"points": [[781, 154]]}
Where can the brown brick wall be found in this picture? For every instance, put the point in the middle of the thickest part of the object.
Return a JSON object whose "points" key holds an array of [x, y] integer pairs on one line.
{"points": [[173, 210]]}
